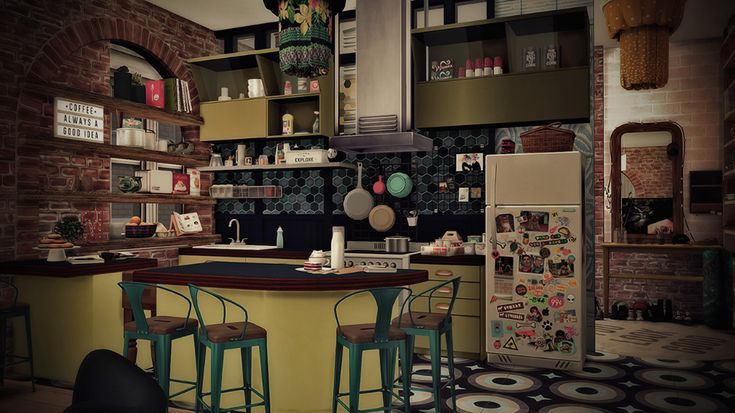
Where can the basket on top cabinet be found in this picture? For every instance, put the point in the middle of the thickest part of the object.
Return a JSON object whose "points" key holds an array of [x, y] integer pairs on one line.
{"points": [[545, 61], [221, 80]]}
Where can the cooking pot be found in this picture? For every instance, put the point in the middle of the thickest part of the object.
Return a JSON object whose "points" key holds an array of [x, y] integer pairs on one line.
{"points": [[396, 244]]}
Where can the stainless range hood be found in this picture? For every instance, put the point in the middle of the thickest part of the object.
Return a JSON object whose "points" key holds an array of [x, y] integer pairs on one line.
{"points": [[384, 82]]}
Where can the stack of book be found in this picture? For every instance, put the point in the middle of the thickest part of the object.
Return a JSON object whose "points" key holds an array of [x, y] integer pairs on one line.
{"points": [[171, 94]]}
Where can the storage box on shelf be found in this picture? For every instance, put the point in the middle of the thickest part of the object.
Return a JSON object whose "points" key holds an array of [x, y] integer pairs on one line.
{"points": [[468, 326], [528, 90], [258, 114]]}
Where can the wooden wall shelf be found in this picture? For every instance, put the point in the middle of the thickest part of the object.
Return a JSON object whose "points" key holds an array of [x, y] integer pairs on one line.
{"points": [[129, 108], [113, 197], [116, 151], [131, 243]]}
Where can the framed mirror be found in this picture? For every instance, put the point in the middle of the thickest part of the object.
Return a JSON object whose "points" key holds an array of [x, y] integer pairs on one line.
{"points": [[646, 181]]}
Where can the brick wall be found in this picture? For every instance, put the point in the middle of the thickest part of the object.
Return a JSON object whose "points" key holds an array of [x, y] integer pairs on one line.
{"points": [[649, 171], [68, 43], [691, 98]]}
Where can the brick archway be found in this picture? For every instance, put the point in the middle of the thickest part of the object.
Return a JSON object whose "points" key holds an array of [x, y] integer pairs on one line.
{"points": [[635, 180], [130, 34]]}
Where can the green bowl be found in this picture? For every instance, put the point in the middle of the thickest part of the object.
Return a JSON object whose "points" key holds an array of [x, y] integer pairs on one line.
{"points": [[399, 185]]}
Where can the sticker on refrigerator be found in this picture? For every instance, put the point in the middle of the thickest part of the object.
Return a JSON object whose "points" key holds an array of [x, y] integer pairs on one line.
{"points": [[504, 223], [504, 266], [512, 316], [534, 314], [510, 307], [497, 328], [510, 344], [556, 301], [535, 221], [521, 289], [561, 268]]}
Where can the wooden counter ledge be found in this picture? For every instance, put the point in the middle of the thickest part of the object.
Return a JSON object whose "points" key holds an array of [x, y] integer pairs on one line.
{"points": [[273, 277], [66, 270]]}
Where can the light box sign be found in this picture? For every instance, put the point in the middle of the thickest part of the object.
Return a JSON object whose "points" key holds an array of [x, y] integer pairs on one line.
{"points": [[79, 120]]}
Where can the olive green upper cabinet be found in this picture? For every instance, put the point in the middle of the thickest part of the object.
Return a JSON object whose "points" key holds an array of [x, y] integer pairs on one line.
{"points": [[545, 60], [234, 109]]}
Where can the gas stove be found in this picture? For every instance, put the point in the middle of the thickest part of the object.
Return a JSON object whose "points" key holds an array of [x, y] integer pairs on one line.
{"points": [[373, 253]]}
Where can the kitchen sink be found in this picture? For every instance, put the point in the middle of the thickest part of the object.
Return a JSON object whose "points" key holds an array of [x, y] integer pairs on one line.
{"points": [[238, 246]]}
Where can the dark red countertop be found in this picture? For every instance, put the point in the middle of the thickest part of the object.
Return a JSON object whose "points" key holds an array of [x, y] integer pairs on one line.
{"points": [[475, 260], [273, 277], [66, 270]]}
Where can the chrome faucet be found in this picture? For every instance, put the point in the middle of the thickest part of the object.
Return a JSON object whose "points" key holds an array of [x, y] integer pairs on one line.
{"points": [[237, 240]]}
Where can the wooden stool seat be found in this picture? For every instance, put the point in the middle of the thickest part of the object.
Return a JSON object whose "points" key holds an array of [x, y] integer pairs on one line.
{"points": [[427, 321], [165, 324], [364, 333], [226, 332]]}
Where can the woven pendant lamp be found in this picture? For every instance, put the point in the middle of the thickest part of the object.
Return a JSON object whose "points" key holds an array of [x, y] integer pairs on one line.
{"points": [[643, 28], [305, 34]]}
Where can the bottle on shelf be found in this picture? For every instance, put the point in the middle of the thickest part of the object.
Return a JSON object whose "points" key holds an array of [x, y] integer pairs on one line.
{"points": [[279, 237], [287, 128], [478, 67], [498, 65], [468, 69], [487, 70], [287, 88], [315, 126], [337, 259]]}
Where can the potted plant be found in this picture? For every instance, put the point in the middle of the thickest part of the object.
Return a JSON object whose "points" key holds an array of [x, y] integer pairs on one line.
{"points": [[138, 88], [69, 228], [122, 80]]}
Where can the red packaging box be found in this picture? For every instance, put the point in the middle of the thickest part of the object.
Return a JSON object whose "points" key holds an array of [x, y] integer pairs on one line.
{"points": [[181, 183], [154, 95]]}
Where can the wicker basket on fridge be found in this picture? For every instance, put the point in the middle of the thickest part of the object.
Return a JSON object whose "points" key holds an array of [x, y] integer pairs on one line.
{"points": [[549, 138]]}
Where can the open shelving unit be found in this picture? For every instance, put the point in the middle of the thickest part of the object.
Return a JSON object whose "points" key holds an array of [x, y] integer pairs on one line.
{"points": [[117, 151], [132, 243], [257, 117], [519, 95], [121, 105], [112, 197], [343, 165]]}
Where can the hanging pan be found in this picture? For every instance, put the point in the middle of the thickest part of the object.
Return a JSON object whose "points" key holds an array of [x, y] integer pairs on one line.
{"points": [[382, 218], [358, 202]]}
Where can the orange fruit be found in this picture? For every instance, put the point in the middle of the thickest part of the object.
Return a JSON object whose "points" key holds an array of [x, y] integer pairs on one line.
{"points": [[135, 220]]}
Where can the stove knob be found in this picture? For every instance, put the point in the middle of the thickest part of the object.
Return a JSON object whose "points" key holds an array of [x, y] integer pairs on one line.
{"points": [[371, 263], [393, 265], [385, 265], [349, 263], [362, 263]]}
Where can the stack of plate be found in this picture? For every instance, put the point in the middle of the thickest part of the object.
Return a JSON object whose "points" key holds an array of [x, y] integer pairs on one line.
{"points": [[348, 40], [375, 124], [348, 99]]}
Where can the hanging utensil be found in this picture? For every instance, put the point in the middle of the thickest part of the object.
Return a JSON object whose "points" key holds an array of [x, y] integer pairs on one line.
{"points": [[358, 202], [382, 218]]}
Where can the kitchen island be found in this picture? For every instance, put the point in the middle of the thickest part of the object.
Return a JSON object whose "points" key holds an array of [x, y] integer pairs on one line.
{"points": [[296, 309]]}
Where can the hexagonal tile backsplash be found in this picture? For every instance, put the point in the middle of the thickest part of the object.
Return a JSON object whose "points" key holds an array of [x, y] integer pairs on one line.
{"points": [[304, 191]]}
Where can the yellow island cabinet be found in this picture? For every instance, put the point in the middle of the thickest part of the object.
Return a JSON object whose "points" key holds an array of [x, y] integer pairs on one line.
{"points": [[296, 310], [74, 309]]}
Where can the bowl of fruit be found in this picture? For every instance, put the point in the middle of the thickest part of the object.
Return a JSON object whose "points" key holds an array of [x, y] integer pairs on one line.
{"points": [[135, 228]]}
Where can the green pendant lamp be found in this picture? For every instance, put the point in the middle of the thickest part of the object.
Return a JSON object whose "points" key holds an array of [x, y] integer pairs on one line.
{"points": [[305, 34]]}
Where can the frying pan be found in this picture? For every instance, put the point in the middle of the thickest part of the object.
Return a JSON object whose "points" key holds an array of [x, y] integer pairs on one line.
{"points": [[382, 218], [358, 202]]}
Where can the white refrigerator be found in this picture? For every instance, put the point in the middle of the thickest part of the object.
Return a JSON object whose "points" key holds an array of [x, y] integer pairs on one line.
{"points": [[535, 292]]}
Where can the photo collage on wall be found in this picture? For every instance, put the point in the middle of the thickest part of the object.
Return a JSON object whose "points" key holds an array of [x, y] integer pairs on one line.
{"points": [[534, 307]]}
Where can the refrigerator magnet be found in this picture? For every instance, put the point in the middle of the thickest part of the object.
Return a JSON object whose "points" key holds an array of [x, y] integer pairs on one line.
{"points": [[464, 194]]}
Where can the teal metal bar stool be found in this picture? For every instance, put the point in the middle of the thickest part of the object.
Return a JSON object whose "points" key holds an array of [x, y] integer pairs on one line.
{"points": [[381, 336], [433, 326], [224, 336], [160, 330], [11, 308]]}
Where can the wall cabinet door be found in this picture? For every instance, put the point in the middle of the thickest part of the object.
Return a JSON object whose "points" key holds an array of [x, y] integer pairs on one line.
{"points": [[234, 119]]}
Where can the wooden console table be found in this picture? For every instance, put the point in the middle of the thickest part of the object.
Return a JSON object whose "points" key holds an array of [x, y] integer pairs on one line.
{"points": [[610, 247]]}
